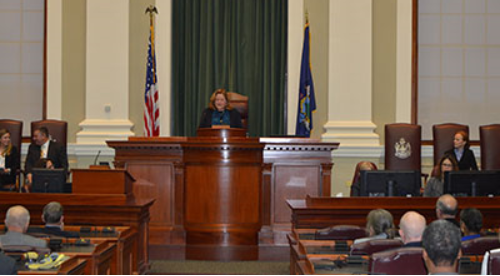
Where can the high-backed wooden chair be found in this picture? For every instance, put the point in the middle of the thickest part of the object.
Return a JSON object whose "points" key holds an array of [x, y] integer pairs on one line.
{"points": [[58, 130], [490, 147], [479, 246], [443, 135], [403, 146], [240, 103], [400, 261], [16, 135], [494, 263]]}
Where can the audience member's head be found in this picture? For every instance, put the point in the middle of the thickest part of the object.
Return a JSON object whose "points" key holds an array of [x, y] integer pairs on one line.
{"points": [[379, 221], [441, 243], [17, 219], [471, 221], [53, 214], [41, 135], [447, 163], [411, 227], [446, 207]]}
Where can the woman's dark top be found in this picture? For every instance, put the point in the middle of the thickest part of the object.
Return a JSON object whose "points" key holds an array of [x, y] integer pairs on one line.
{"points": [[207, 115], [468, 161], [12, 163], [355, 188]]}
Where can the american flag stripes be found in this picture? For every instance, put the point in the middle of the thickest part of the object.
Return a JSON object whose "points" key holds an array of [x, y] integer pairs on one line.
{"points": [[151, 102]]}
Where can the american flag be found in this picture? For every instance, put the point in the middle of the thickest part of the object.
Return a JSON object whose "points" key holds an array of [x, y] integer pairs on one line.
{"points": [[151, 103]]}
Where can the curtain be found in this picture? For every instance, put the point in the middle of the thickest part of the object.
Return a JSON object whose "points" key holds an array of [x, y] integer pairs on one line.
{"points": [[239, 45]]}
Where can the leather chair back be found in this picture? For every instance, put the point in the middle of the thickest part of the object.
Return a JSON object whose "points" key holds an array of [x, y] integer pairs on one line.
{"points": [[479, 246], [340, 232], [58, 130], [494, 263], [443, 135], [490, 146], [402, 147], [400, 261], [374, 246], [16, 133], [240, 103]]}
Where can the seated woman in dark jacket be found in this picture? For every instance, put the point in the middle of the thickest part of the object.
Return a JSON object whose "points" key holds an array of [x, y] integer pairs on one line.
{"points": [[220, 112], [9, 160], [435, 185], [461, 152]]}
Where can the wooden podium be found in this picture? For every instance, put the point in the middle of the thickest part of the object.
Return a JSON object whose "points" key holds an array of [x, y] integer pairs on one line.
{"points": [[222, 191], [102, 181]]}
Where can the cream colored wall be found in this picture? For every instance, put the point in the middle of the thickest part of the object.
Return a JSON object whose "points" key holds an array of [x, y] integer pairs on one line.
{"points": [[384, 64], [139, 35], [318, 22], [73, 65]]}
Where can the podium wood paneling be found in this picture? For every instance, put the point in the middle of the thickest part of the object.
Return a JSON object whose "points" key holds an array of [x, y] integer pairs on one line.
{"points": [[284, 160]]}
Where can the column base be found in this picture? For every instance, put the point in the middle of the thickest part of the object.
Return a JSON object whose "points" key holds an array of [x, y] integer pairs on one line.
{"points": [[351, 133], [98, 131]]}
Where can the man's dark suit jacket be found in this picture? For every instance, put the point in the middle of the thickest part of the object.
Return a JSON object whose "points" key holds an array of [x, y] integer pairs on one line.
{"points": [[12, 163], [53, 231], [56, 154], [468, 161], [7, 265]]}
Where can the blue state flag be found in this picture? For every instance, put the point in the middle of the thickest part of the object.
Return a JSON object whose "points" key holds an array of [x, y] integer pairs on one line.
{"points": [[307, 102]]}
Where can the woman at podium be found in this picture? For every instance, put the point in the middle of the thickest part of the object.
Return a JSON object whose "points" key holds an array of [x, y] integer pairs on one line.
{"points": [[220, 112], [9, 160]]}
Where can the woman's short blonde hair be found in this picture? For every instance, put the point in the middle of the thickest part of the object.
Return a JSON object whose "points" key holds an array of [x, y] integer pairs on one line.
{"points": [[222, 91]]}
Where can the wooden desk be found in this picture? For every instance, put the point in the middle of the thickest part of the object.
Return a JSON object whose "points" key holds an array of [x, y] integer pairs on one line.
{"points": [[291, 169], [105, 210], [320, 212], [99, 256], [72, 266]]}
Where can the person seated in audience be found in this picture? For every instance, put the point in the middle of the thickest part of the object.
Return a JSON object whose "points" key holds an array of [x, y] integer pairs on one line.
{"points": [[362, 166], [9, 161], [471, 222], [464, 156], [435, 184], [441, 243], [53, 218], [411, 228], [379, 225], [42, 148], [7, 264], [220, 112], [17, 221], [446, 209]]}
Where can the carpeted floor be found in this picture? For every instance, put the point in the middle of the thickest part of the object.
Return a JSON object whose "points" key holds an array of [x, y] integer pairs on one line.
{"points": [[211, 267]]}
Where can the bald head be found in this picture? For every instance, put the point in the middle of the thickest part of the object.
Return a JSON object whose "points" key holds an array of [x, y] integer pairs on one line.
{"points": [[17, 219], [446, 207], [412, 226]]}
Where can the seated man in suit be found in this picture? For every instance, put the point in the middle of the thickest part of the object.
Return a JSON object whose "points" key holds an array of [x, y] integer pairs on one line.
{"points": [[471, 222], [447, 208], [441, 243], [42, 148], [17, 221], [54, 222], [411, 228]]}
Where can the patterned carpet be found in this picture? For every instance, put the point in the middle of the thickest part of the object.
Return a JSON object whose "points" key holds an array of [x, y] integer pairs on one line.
{"points": [[220, 268]]}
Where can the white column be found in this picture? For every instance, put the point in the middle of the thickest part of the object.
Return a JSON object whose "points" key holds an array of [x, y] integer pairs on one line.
{"points": [[164, 62], [54, 59], [404, 61], [350, 74], [295, 40], [107, 73]]}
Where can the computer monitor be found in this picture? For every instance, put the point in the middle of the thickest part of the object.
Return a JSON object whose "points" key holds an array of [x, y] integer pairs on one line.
{"points": [[472, 183], [390, 183], [48, 180]]}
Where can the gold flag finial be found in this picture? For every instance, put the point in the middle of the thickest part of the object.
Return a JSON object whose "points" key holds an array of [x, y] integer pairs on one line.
{"points": [[151, 10]]}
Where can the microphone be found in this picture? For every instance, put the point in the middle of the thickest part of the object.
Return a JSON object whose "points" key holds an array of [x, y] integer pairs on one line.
{"points": [[96, 157]]}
